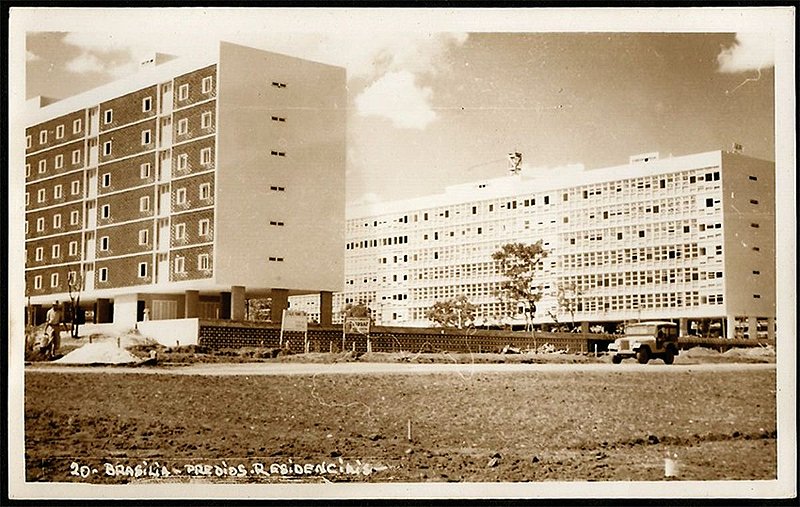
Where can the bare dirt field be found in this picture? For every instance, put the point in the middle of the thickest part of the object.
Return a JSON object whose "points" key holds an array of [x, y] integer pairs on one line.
{"points": [[591, 423]]}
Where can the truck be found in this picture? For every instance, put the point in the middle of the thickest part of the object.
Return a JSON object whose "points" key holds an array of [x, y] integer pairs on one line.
{"points": [[646, 341]]}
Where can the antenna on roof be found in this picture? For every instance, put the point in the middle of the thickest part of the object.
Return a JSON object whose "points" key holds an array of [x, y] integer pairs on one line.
{"points": [[514, 162]]}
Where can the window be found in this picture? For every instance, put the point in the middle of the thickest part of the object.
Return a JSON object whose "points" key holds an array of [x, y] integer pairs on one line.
{"points": [[183, 92], [277, 189], [28, 142], [641, 234], [144, 203], [77, 126], [142, 270], [39, 253], [203, 262], [60, 132], [180, 196], [59, 161], [145, 137], [54, 280], [42, 166], [205, 156], [205, 120], [147, 104], [179, 265], [58, 192], [547, 199], [102, 275], [37, 282], [753, 178], [76, 157], [27, 198], [56, 251], [105, 211], [709, 202], [40, 224], [205, 190], [206, 84], [183, 161], [73, 248], [754, 225], [104, 244], [107, 148], [108, 116], [277, 84], [74, 217], [105, 180], [57, 221], [183, 126], [278, 118], [144, 171], [204, 227], [42, 137], [278, 153], [40, 195], [76, 187], [180, 231], [144, 236], [27, 170]]}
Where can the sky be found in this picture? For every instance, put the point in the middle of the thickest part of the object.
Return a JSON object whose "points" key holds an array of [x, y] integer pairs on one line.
{"points": [[431, 108]]}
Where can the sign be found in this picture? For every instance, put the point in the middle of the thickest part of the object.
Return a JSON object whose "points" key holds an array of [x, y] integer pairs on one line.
{"points": [[294, 320], [356, 325]]}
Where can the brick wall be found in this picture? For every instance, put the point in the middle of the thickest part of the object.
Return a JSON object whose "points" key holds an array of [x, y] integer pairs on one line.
{"points": [[194, 125], [49, 187], [124, 239], [191, 224], [65, 151], [192, 188], [125, 206], [66, 225], [190, 263], [127, 141], [127, 173], [195, 81], [63, 273], [193, 159], [124, 272], [47, 250], [128, 108], [51, 126]]}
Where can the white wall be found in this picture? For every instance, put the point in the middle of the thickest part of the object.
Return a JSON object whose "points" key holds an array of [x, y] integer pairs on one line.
{"points": [[171, 333]]}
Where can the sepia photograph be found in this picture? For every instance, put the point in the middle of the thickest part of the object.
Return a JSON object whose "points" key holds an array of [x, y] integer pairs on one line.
{"points": [[401, 253]]}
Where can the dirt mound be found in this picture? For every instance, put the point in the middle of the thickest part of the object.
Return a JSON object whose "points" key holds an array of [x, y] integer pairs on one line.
{"points": [[100, 352]]}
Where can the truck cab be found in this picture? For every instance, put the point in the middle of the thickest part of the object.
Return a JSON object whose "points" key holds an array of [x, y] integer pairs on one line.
{"points": [[645, 341]]}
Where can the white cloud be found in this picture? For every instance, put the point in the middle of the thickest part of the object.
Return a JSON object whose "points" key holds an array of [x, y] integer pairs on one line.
{"points": [[85, 63], [397, 97], [30, 56], [750, 51]]}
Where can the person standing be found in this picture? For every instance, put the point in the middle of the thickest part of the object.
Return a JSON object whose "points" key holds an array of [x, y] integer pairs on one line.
{"points": [[54, 329]]}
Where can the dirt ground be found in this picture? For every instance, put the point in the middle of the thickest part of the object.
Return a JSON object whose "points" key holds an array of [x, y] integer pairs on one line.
{"points": [[558, 425]]}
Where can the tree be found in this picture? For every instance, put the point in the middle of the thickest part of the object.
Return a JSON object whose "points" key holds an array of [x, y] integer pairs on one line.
{"points": [[519, 263], [357, 311], [75, 286], [456, 312], [567, 296]]}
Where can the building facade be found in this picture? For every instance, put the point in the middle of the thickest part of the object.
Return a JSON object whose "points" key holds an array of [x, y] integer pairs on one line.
{"points": [[689, 238], [189, 187]]}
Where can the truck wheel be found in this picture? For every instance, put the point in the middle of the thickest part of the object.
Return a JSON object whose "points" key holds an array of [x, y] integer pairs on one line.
{"points": [[668, 357], [616, 359], [643, 355]]}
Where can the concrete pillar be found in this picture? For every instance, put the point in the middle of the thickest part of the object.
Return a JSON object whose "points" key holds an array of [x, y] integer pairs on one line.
{"points": [[771, 328], [237, 302], [280, 302], [191, 304], [224, 305], [730, 327], [683, 327], [103, 313], [326, 308], [585, 326], [752, 327]]}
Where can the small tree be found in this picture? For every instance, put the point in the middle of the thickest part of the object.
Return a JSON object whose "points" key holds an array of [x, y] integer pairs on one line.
{"points": [[75, 287], [519, 263], [456, 312], [357, 311], [567, 296]]}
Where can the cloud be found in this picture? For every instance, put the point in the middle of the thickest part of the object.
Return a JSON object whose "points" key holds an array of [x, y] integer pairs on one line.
{"points": [[397, 97], [85, 63], [750, 51], [30, 56]]}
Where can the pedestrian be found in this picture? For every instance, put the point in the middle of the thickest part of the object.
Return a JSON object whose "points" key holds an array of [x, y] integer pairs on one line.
{"points": [[53, 329]]}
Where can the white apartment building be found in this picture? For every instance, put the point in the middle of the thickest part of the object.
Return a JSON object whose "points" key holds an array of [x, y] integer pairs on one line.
{"points": [[685, 238]]}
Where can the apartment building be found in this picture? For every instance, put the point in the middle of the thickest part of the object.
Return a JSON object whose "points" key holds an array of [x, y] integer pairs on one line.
{"points": [[688, 238], [189, 187]]}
